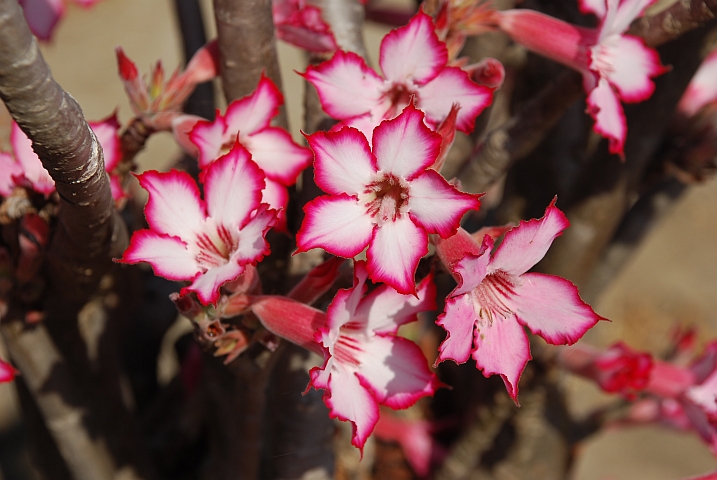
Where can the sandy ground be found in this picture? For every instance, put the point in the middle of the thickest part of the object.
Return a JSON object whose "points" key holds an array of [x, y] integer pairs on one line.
{"points": [[672, 279]]}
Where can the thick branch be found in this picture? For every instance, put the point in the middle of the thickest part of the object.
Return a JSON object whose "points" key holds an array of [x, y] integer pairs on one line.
{"points": [[80, 250], [247, 46]]}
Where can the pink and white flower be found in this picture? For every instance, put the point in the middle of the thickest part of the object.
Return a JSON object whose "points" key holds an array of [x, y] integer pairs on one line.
{"points": [[366, 363], [414, 63], [42, 15], [495, 298], [249, 120], [388, 198], [208, 242], [7, 372], [615, 66]]}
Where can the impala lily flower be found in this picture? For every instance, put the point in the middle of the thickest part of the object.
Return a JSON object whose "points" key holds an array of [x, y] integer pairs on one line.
{"points": [[208, 242], [299, 23], [388, 199], [614, 66], [271, 147], [495, 298], [413, 61], [160, 102], [366, 363], [42, 15]]}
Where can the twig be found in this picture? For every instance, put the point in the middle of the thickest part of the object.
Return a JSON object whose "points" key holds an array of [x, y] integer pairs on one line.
{"points": [[681, 17]]}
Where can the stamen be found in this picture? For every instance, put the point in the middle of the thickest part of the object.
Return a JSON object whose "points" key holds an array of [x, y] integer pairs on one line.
{"points": [[492, 297]]}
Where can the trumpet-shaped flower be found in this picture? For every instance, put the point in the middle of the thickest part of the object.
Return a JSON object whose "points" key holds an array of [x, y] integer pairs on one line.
{"points": [[159, 102], [614, 66], [366, 363], [495, 298], [208, 242], [414, 63], [388, 198], [249, 118]]}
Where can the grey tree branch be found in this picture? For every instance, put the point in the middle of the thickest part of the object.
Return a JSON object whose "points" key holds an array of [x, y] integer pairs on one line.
{"points": [[80, 251]]}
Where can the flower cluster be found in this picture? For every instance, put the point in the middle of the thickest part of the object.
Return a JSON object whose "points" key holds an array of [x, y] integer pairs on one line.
{"points": [[384, 198]]}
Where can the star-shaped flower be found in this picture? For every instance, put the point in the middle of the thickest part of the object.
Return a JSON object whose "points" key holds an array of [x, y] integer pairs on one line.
{"points": [[388, 198], [414, 63], [208, 242], [366, 363], [495, 298]]}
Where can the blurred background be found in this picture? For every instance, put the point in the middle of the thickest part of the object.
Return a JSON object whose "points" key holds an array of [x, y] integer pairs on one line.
{"points": [[671, 281]]}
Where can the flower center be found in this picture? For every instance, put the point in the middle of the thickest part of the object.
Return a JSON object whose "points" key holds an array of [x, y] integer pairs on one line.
{"points": [[346, 350], [397, 95], [602, 55], [216, 245], [492, 297], [229, 142], [386, 198]]}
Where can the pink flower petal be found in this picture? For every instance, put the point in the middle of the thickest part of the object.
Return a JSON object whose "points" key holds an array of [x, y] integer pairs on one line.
{"points": [[551, 307], [394, 252], [209, 139], [42, 16], [174, 206], [610, 122], [255, 111], [232, 187], [339, 225], [702, 88], [32, 167], [413, 51], [344, 162], [452, 85], [596, 7], [106, 132], [252, 244], [472, 269], [405, 146], [277, 154], [347, 87], [7, 372], [502, 348], [276, 196], [526, 244], [351, 401], [458, 321], [633, 65], [437, 206], [9, 170], [395, 370], [206, 285], [385, 309], [182, 126], [168, 256]]}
